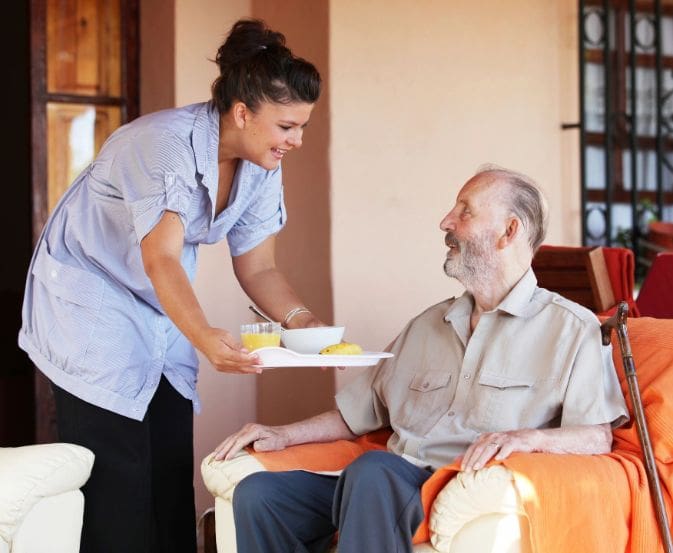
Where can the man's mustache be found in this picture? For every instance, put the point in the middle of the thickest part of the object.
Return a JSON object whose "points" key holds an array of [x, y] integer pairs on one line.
{"points": [[450, 239]]}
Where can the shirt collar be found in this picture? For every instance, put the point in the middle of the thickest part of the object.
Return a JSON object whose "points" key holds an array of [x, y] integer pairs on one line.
{"points": [[519, 298], [205, 138], [516, 302]]}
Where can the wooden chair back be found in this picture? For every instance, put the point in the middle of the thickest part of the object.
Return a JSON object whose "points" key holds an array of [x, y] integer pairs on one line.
{"points": [[577, 273]]}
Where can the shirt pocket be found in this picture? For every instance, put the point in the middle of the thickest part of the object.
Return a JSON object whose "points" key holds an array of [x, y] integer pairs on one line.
{"points": [[426, 400], [67, 309], [501, 401]]}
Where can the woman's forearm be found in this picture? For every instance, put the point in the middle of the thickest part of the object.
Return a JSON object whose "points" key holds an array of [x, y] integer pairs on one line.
{"points": [[265, 285]]}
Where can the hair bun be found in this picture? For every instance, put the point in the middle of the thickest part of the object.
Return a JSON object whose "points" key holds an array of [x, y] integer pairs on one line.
{"points": [[255, 64]]}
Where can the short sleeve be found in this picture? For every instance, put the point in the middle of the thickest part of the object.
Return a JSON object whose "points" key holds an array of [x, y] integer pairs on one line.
{"points": [[359, 404], [593, 394], [263, 217], [148, 173]]}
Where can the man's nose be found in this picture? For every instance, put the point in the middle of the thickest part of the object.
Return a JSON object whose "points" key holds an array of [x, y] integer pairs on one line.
{"points": [[448, 222]]}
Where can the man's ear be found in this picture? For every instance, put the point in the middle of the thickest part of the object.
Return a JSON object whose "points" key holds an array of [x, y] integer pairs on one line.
{"points": [[241, 114], [511, 230]]}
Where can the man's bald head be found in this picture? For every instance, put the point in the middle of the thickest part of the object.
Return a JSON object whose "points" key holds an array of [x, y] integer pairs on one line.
{"points": [[524, 199]]}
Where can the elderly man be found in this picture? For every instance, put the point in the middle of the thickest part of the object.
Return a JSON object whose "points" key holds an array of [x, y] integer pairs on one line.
{"points": [[505, 367]]}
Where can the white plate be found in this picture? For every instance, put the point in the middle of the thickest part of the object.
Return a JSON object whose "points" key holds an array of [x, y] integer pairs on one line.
{"points": [[283, 357]]}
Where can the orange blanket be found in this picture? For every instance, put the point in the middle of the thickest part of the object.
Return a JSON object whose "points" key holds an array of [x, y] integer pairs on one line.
{"points": [[583, 504]]}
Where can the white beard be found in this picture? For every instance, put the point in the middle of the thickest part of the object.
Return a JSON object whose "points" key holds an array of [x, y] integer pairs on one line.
{"points": [[475, 262]]}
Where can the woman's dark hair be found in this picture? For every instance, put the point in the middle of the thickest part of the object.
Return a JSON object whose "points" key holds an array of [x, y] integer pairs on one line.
{"points": [[256, 66]]}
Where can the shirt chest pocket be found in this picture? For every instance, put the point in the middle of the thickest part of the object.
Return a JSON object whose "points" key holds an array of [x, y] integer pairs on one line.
{"points": [[427, 399], [502, 402]]}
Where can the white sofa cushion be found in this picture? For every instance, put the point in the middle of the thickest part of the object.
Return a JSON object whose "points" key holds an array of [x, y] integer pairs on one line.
{"points": [[471, 496], [54, 525], [30, 473], [221, 477]]}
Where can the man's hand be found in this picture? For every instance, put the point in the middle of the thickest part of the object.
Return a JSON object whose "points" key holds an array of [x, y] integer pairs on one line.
{"points": [[326, 427], [589, 439], [262, 438], [498, 446]]}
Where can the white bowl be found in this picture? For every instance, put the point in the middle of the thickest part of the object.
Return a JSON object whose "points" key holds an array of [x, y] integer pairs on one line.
{"points": [[311, 340]]}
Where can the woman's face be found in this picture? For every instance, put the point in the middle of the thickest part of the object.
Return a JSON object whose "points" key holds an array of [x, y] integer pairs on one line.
{"points": [[273, 130]]}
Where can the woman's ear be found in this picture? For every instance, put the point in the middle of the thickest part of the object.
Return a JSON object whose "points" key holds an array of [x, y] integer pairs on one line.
{"points": [[511, 231], [241, 114]]}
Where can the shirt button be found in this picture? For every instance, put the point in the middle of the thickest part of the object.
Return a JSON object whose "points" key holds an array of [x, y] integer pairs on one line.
{"points": [[53, 273], [451, 413], [467, 376], [425, 385]]}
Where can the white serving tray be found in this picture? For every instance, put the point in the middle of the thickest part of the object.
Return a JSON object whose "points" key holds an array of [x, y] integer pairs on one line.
{"points": [[283, 357]]}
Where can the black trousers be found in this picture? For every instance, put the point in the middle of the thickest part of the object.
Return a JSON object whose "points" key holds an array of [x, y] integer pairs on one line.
{"points": [[140, 496]]}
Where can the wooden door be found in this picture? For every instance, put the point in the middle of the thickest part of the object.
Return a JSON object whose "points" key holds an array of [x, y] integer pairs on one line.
{"points": [[84, 84]]}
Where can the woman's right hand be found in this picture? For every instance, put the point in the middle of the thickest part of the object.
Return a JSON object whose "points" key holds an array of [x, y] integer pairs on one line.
{"points": [[226, 353]]}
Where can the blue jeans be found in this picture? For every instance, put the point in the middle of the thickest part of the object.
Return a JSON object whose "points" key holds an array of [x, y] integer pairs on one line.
{"points": [[375, 505]]}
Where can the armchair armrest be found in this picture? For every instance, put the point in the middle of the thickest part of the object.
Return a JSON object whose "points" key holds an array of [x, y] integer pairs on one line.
{"points": [[220, 478], [31, 475], [479, 511]]}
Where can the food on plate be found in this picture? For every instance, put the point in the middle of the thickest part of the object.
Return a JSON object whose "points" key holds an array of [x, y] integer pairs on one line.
{"points": [[344, 348]]}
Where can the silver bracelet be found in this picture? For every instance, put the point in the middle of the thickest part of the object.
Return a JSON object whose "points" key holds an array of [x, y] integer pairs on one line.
{"points": [[292, 312]]}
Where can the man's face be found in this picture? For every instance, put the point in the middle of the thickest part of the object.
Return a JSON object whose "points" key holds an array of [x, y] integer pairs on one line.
{"points": [[472, 230]]}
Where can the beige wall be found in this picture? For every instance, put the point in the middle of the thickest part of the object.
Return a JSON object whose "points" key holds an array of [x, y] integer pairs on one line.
{"points": [[304, 254], [157, 55], [421, 96], [228, 401]]}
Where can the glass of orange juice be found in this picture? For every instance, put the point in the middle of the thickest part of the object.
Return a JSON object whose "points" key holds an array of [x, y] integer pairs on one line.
{"points": [[260, 335]]}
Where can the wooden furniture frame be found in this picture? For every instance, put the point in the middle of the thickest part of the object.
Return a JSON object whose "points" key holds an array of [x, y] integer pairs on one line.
{"points": [[577, 273]]}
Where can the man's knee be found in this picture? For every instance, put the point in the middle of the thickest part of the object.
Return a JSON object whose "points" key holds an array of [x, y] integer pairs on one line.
{"points": [[369, 466], [255, 491]]}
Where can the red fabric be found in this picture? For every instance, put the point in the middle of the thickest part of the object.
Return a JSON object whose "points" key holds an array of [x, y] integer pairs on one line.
{"points": [[655, 298], [621, 270]]}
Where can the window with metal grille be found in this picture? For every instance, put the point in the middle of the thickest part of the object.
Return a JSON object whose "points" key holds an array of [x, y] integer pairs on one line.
{"points": [[626, 124]]}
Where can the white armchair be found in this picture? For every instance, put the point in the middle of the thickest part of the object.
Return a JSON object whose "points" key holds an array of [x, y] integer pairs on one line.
{"points": [[479, 511], [41, 505]]}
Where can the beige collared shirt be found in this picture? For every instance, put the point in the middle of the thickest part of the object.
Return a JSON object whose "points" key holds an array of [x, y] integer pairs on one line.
{"points": [[536, 361]]}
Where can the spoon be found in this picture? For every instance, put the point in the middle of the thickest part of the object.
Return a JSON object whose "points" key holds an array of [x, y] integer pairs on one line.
{"points": [[264, 316]]}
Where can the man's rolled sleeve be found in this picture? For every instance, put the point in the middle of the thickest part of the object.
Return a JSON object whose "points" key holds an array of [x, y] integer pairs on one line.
{"points": [[360, 406], [593, 394]]}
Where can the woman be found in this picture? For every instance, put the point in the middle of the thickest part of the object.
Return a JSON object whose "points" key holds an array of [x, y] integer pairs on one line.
{"points": [[110, 315]]}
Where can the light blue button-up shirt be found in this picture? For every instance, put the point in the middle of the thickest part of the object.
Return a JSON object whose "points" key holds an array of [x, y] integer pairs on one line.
{"points": [[91, 319]]}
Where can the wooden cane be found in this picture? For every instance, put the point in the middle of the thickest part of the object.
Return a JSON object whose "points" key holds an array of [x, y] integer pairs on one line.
{"points": [[618, 322]]}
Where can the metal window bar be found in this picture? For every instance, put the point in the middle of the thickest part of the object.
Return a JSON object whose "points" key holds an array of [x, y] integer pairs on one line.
{"points": [[608, 121], [659, 108], [582, 122], [633, 128]]}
